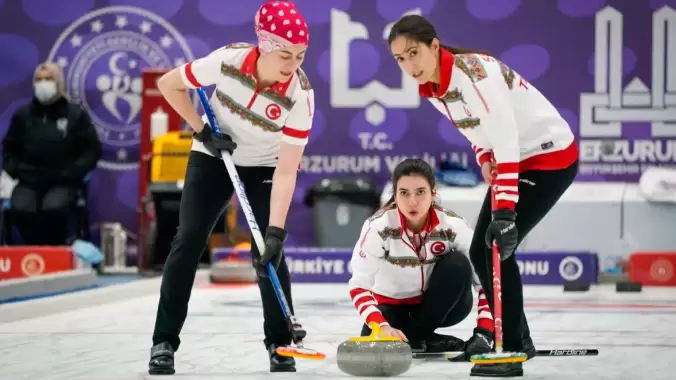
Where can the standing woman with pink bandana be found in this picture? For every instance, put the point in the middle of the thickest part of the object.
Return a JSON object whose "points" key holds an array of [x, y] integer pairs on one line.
{"points": [[264, 106]]}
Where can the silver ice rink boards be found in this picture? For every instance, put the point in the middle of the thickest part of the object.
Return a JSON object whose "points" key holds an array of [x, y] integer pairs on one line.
{"points": [[106, 334]]}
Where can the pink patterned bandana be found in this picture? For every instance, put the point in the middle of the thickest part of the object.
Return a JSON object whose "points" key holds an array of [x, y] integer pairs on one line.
{"points": [[278, 25]]}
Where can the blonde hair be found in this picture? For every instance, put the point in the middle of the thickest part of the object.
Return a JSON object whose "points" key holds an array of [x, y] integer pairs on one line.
{"points": [[56, 73]]}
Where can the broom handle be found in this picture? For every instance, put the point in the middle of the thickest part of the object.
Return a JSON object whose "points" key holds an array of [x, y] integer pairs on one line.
{"points": [[497, 282]]}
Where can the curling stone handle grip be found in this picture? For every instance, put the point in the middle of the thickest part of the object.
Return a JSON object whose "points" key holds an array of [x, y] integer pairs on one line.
{"points": [[376, 335], [375, 330]]}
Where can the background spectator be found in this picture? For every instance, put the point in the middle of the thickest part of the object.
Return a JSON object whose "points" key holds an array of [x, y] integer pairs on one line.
{"points": [[50, 147]]}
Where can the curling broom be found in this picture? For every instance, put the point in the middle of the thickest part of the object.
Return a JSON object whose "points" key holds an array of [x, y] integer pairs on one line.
{"points": [[295, 328], [460, 355], [499, 356]]}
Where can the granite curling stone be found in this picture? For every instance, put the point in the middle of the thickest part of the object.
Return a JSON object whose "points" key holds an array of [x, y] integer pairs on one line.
{"points": [[374, 355], [232, 271]]}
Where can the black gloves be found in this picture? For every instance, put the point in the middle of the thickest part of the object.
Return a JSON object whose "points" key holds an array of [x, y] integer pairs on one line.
{"points": [[215, 144], [503, 230], [274, 245]]}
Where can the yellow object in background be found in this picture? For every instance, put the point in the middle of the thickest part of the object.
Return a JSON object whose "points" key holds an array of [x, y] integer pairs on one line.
{"points": [[170, 157], [243, 246], [231, 214], [236, 253]]}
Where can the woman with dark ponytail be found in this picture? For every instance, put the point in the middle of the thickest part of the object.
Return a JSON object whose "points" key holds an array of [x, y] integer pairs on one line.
{"points": [[524, 147], [410, 269]]}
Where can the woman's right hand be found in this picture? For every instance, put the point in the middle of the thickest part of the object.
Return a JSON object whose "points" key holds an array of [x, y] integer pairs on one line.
{"points": [[215, 144], [487, 171], [388, 330]]}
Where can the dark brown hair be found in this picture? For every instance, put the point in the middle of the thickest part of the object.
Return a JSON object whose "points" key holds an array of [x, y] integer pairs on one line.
{"points": [[419, 29], [411, 166]]}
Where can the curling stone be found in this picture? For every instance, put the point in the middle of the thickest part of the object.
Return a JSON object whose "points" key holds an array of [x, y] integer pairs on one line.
{"points": [[374, 355], [233, 269]]}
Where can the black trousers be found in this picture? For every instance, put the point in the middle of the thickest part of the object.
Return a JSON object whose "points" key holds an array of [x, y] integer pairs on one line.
{"points": [[539, 190], [41, 215], [206, 192], [447, 301]]}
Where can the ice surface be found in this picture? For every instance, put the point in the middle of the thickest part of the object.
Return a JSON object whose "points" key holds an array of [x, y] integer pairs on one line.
{"points": [[222, 339]]}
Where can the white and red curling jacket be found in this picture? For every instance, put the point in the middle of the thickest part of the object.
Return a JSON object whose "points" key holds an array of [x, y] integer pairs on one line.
{"points": [[257, 119], [505, 118], [392, 265]]}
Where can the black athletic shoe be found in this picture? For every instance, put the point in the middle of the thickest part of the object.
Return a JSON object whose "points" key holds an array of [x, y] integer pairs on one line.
{"points": [[480, 343], [497, 370], [279, 363], [417, 346], [161, 359], [529, 348], [444, 343]]}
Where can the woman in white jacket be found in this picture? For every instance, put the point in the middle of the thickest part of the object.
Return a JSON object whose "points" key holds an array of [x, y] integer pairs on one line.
{"points": [[410, 268], [518, 136]]}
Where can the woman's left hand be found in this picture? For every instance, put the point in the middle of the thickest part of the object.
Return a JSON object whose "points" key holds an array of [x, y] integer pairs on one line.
{"points": [[274, 245], [503, 230]]}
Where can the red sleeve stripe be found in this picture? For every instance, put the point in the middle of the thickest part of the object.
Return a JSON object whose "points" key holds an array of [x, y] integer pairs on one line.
{"points": [[485, 323], [191, 77], [296, 133], [483, 303], [363, 300], [507, 182], [360, 297], [366, 306], [482, 155], [505, 204], [508, 167], [510, 185], [372, 314], [507, 179], [484, 318], [507, 193], [485, 158]]}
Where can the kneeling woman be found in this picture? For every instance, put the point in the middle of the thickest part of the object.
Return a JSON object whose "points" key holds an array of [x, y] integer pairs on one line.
{"points": [[410, 268]]}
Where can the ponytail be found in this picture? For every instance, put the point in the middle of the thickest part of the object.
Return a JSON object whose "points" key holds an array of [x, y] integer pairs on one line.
{"points": [[390, 202], [456, 50]]}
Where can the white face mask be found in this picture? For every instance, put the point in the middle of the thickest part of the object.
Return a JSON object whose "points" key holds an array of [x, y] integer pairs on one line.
{"points": [[45, 90]]}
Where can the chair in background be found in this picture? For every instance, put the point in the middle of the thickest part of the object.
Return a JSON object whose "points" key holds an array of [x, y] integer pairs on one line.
{"points": [[80, 213]]}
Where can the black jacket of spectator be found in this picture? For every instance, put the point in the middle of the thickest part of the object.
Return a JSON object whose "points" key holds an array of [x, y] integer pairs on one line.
{"points": [[49, 145]]}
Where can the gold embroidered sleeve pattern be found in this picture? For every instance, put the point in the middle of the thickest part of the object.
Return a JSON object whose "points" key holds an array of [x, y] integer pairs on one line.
{"points": [[471, 65]]}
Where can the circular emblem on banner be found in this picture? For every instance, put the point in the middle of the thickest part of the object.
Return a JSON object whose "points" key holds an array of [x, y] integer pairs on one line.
{"points": [[273, 111], [437, 247], [661, 270], [102, 55], [32, 265], [571, 268]]}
